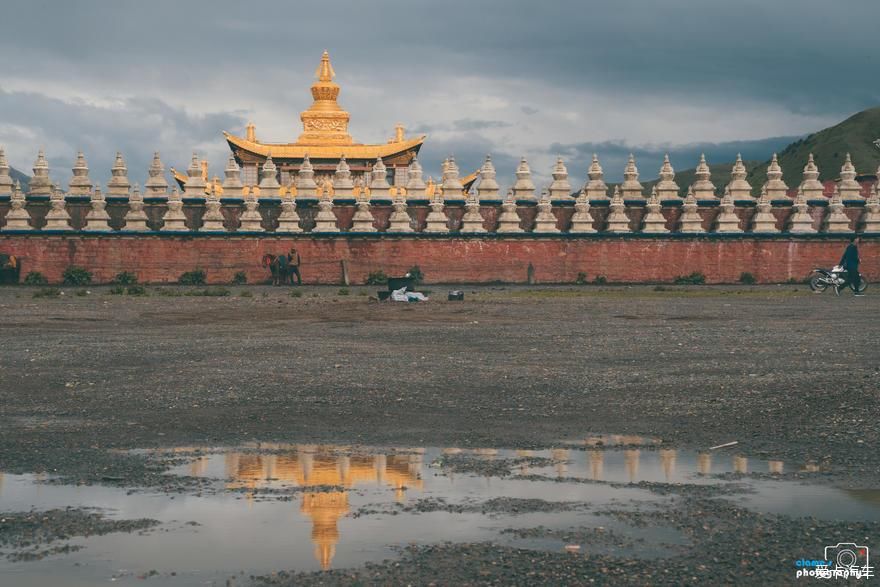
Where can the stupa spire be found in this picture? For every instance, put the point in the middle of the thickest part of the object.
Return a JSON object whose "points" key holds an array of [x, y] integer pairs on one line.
{"points": [[325, 122], [57, 218], [524, 187], [560, 189], [18, 218], [452, 186], [6, 182], [631, 188], [136, 218], [704, 189], [343, 185], [595, 188], [739, 188], [325, 72], [40, 184], [269, 186], [667, 189], [232, 186], [119, 185], [775, 187], [195, 184], [488, 187], [157, 185], [415, 185], [849, 187], [654, 221], [379, 186], [80, 184], [811, 186], [305, 180]]}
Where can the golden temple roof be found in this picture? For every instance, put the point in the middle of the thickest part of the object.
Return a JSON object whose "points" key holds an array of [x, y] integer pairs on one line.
{"points": [[325, 129], [298, 151]]}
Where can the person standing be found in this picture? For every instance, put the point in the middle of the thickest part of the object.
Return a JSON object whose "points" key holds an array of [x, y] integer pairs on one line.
{"points": [[850, 263], [293, 259]]}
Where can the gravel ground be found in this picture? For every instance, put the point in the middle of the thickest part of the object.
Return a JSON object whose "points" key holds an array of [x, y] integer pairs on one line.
{"points": [[788, 374]]}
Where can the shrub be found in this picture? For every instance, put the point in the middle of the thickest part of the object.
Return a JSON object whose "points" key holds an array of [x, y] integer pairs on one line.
{"points": [[415, 272], [136, 290], [35, 278], [376, 278], [695, 278], [168, 292], [48, 292], [747, 278], [581, 279], [343, 291], [125, 278], [600, 280], [74, 275], [194, 277], [211, 292], [240, 278], [296, 294], [245, 294], [117, 290]]}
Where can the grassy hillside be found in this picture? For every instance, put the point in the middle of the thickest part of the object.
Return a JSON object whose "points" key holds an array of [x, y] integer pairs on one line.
{"points": [[18, 175], [829, 147]]}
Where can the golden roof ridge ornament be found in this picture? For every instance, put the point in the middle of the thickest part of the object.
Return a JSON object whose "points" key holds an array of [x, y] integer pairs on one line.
{"points": [[325, 72], [325, 122]]}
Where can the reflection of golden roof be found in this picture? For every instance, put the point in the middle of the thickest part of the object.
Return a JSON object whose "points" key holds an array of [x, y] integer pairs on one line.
{"points": [[298, 151], [310, 466]]}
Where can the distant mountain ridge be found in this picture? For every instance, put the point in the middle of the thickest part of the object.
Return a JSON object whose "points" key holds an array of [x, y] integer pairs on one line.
{"points": [[856, 135]]}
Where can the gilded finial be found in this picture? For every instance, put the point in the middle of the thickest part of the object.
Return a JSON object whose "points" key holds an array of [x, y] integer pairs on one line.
{"points": [[325, 72]]}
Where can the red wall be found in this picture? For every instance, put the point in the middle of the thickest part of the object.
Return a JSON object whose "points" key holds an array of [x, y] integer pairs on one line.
{"points": [[161, 259]]}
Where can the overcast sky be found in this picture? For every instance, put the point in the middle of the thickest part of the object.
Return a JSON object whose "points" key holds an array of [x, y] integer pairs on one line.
{"points": [[510, 77]]}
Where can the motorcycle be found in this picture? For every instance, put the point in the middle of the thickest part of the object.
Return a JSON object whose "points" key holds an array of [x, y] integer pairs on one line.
{"points": [[834, 277]]}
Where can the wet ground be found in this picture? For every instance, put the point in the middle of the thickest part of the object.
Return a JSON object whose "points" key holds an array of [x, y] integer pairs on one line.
{"points": [[582, 421]]}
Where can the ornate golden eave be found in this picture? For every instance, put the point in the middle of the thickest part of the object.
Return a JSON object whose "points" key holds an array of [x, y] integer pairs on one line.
{"points": [[299, 151]]}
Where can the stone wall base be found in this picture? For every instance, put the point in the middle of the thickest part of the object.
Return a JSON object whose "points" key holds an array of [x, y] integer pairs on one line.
{"points": [[621, 259]]}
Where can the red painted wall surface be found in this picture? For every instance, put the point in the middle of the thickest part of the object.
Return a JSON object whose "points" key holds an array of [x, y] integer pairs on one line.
{"points": [[161, 259]]}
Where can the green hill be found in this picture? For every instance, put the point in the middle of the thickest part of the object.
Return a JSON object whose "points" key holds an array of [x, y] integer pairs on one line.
{"points": [[23, 178], [855, 135]]}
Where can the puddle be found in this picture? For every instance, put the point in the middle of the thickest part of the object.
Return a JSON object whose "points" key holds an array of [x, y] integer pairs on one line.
{"points": [[270, 507]]}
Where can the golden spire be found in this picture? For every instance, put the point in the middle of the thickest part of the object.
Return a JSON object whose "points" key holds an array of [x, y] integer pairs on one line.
{"points": [[325, 72], [325, 122]]}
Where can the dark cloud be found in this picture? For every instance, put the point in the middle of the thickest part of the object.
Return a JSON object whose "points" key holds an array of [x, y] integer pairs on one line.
{"points": [[522, 75], [136, 127]]}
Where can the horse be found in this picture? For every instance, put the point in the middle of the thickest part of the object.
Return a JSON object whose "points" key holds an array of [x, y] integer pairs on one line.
{"points": [[280, 269]]}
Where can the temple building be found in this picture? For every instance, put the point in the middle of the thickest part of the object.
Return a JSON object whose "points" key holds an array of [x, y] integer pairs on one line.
{"points": [[325, 140]]}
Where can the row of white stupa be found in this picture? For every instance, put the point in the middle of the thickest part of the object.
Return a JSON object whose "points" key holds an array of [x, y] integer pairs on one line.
{"points": [[343, 186], [834, 220]]}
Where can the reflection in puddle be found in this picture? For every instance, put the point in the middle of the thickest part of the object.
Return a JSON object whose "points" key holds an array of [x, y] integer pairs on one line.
{"points": [[271, 506]]}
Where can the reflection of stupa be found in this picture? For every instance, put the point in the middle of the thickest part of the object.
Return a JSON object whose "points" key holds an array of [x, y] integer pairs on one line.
{"points": [[324, 469]]}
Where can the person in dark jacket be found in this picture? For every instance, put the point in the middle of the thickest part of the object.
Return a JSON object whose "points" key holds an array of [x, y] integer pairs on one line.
{"points": [[294, 260], [850, 264]]}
